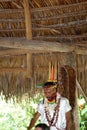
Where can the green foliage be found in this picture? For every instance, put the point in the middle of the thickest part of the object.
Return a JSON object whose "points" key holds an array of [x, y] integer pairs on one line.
{"points": [[17, 116], [83, 113]]}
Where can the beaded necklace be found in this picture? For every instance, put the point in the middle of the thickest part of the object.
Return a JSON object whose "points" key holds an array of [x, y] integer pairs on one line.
{"points": [[52, 120]]}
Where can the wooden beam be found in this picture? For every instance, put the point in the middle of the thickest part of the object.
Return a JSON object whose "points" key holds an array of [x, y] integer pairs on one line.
{"points": [[13, 30], [62, 37], [59, 16], [12, 20], [60, 25], [27, 19], [6, 11], [13, 69], [36, 46], [79, 26], [68, 6], [13, 52], [7, 0], [32, 45]]}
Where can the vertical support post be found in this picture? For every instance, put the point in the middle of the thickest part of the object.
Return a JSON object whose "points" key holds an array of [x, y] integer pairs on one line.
{"points": [[27, 20], [76, 114], [29, 65]]}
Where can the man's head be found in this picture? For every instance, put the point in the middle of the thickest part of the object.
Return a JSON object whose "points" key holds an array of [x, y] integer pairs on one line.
{"points": [[50, 89], [42, 126]]}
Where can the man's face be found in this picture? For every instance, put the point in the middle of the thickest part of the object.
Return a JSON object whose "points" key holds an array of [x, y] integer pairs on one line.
{"points": [[38, 128], [49, 91]]}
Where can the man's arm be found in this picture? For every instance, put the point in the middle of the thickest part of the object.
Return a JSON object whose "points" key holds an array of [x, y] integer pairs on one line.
{"points": [[68, 121], [33, 120]]}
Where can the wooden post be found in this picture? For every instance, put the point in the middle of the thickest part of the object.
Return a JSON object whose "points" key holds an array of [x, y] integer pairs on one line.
{"points": [[76, 114], [27, 20], [29, 65]]}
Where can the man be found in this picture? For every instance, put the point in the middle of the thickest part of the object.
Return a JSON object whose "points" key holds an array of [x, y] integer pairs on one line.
{"points": [[54, 110], [42, 126]]}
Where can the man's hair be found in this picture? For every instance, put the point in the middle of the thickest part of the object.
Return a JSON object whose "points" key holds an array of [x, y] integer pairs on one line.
{"points": [[43, 126], [49, 84]]}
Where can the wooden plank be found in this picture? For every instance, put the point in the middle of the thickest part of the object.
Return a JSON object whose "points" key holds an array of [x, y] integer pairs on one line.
{"points": [[27, 19], [32, 45]]}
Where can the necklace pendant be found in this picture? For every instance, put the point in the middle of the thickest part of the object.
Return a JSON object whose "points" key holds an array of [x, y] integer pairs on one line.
{"points": [[51, 122]]}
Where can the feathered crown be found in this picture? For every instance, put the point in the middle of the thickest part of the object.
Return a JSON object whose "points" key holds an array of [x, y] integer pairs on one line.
{"points": [[52, 72], [52, 75]]}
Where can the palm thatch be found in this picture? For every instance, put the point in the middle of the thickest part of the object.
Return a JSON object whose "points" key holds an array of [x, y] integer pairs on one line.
{"points": [[54, 20], [36, 32]]}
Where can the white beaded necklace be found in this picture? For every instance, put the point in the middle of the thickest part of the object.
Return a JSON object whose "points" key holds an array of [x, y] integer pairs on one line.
{"points": [[52, 120]]}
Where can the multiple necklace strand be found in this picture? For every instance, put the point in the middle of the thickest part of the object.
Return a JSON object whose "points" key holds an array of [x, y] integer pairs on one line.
{"points": [[52, 121]]}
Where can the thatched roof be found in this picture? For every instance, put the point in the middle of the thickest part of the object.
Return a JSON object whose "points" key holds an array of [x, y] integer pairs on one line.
{"points": [[54, 20], [42, 26]]}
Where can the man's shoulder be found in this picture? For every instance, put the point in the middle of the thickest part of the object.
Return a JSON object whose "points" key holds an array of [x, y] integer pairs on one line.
{"points": [[64, 99], [41, 102], [40, 105]]}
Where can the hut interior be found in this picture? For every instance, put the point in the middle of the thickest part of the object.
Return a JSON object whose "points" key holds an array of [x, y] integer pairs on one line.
{"points": [[37, 33]]}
